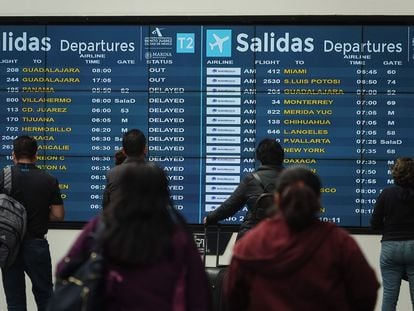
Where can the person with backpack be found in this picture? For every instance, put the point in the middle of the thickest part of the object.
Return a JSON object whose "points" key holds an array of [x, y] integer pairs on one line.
{"points": [[294, 261], [270, 154], [39, 193]]}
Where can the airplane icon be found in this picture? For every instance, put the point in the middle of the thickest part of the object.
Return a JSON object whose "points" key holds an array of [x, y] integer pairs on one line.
{"points": [[219, 42]]}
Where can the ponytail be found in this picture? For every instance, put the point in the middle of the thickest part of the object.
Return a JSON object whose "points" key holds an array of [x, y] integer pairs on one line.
{"points": [[299, 191], [299, 205]]}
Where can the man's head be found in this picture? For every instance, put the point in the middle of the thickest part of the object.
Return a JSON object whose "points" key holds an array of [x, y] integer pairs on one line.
{"points": [[24, 148], [134, 143], [270, 152]]}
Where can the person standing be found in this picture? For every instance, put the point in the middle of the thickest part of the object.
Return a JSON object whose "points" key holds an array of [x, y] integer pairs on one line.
{"points": [[134, 146], [151, 260], [294, 261], [394, 216], [270, 154], [39, 193]]}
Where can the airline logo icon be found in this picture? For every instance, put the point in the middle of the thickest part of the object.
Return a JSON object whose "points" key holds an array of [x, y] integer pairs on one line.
{"points": [[221, 188], [223, 169], [224, 101], [224, 71], [157, 32], [223, 159], [224, 120], [235, 130], [223, 140], [218, 43], [216, 198], [157, 40], [223, 179], [211, 207]]}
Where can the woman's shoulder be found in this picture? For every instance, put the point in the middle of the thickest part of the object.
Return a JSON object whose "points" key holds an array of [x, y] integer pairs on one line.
{"points": [[340, 237], [92, 224]]}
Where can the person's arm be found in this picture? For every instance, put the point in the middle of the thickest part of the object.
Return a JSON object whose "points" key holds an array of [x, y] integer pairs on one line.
{"points": [[56, 209], [57, 212], [378, 216], [231, 206], [361, 283]]}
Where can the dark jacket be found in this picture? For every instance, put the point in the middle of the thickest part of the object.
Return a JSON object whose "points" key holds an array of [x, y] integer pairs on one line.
{"points": [[319, 268], [176, 282], [245, 194], [37, 190], [113, 179], [394, 214]]}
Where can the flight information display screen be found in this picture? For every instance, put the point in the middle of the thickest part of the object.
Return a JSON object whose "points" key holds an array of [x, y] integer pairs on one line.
{"points": [[339, 98]]}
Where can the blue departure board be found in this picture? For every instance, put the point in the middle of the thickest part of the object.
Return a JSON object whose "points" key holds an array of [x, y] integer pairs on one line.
{"points": [[339, 98]]}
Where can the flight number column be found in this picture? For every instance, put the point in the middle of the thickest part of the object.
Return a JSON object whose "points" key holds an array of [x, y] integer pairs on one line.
{"points": [[303, 97], [18, 110]]}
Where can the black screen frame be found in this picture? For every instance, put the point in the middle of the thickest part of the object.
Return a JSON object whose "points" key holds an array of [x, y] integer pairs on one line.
{"points": [[401, 20]]}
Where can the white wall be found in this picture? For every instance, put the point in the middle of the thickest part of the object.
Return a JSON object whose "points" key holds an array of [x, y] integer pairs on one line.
{"points": [[61, 239], [210, 7]]}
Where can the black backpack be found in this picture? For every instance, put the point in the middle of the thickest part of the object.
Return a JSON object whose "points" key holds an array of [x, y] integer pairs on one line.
{"points": [[264, 202], [13, 221]]}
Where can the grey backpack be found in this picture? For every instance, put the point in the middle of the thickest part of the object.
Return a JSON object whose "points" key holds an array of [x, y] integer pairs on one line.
{"points": [[264, 202], [13, 221]]}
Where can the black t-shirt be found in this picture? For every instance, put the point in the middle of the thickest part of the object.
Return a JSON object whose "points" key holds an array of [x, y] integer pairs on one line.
{"points": [[394, 214], [37, 191]]}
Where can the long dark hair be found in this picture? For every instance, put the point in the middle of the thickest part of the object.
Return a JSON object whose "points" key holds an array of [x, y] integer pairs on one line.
{"points": [[299, 192], [403, 172], [140, 224]]}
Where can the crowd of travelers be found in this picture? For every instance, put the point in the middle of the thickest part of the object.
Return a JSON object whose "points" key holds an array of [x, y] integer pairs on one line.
{"points": [[284, 257]]}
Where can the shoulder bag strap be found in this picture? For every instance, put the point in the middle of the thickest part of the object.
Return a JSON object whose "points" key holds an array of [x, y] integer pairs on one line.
{"points": [[7, 176], [257, 177]]}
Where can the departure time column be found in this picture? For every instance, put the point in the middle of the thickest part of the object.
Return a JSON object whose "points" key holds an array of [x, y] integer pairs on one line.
{"points": [[388, 52], [99, 70]]}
